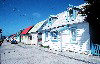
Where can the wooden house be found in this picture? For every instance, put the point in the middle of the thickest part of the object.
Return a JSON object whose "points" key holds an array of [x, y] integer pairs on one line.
{"points": [[25, 37], [67, 31], [36, 34]]}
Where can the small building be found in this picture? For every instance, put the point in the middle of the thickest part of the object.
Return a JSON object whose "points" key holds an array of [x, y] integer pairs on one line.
{"points": [[36, 34], [25, 37]]}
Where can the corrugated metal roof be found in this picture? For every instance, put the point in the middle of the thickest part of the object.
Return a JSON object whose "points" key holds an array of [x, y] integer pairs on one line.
{"points": [[26, 30], [62, 21], [37, 27]]}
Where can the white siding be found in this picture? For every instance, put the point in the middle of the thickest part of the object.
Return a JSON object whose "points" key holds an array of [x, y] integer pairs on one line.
{"points": [[83, 36], [82, 39], [43, 38], [34, 39]]}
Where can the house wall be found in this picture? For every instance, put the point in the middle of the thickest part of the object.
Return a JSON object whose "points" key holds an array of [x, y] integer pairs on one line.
{"points": [[34, 39], [65, 36], [82, 42], [43, 38], [27, 40], [46, 38], [55, 42], [55, 46], [83, 36], [24, 39]]}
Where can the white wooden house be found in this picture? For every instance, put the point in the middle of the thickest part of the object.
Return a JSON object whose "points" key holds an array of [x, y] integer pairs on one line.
{"points": [[25, 37], [67, 31], [36, 34]]}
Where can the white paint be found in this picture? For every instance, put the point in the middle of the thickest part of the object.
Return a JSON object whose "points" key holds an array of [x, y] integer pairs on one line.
{"points": [[82, 39], [34, 38], [65, 41]]}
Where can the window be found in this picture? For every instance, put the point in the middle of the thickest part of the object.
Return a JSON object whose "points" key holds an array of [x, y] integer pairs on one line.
{"points": [[73, 34], [50, 19], [54, 37], [54, 34], [30, 37], [70, 12], [53, 18]]}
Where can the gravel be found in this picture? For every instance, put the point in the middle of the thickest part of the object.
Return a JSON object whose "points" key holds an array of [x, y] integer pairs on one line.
{"points": [[31, 54]]}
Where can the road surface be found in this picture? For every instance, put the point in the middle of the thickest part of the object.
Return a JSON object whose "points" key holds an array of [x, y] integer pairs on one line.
{"points": [[30, 54]]}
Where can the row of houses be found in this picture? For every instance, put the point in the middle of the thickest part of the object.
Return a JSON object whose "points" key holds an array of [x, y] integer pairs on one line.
{"points": [[66, 31]]}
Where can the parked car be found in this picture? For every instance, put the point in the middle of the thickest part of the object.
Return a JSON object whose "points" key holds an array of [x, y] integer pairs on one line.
{"points": [[14, 42]]}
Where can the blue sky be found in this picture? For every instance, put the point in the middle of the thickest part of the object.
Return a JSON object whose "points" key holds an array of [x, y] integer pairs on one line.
{"points": [[19, 14]]}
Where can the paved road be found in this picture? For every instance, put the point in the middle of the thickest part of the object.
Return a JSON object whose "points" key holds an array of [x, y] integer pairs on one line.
{"points": [[30, 54]]}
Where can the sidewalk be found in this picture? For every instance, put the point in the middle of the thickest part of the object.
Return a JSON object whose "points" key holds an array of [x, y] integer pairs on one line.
{"points": [[71, 55]]}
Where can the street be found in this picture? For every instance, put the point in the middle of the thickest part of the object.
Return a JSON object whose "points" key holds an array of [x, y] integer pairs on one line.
{"points": [[31, 54]]}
